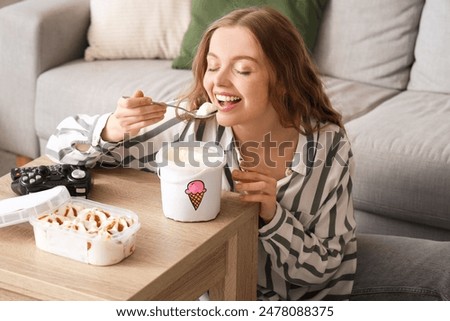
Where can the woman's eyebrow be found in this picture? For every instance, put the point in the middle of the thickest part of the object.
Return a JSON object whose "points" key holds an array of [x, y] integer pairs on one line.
{"points": [[241, 57]]}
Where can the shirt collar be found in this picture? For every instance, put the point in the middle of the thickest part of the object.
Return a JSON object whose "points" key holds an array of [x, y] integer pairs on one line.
{"points": [[299, 162]]}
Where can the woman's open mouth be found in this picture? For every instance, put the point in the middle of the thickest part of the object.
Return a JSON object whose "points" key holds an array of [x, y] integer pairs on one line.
{"points": [[227, 102]]}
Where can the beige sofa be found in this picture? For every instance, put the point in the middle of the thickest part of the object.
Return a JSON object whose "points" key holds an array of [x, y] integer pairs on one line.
{"points": [[384, 63]]}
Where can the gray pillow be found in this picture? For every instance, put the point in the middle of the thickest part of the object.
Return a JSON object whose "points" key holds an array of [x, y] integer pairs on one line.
{"points": [[369, 41], [431, 70]]}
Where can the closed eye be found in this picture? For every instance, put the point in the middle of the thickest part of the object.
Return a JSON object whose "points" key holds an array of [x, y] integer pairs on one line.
{"points": [[244, 73]]}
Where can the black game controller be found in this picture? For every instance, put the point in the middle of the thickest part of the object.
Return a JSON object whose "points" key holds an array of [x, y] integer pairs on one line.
{"points": [[26, 180]]}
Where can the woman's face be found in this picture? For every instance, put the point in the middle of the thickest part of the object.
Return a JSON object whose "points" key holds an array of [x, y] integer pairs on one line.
{"points": [[237, 79]]}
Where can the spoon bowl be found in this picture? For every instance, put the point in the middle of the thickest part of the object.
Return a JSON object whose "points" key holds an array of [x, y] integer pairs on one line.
{"points": [[192, 113]]}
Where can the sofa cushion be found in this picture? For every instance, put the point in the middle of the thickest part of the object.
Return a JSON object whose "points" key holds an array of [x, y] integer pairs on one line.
{"points": [[369, 223], [354, 99], [305, 14], [136, 29], [81, 87], [402, 157], [431, 70], [369, 41]]}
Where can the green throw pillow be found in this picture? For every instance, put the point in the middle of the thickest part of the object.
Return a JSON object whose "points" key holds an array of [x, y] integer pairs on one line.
{"points": [[305, 14]]}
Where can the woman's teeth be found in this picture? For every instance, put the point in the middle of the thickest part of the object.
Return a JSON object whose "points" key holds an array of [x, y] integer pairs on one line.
{"points": [[222, 99]]}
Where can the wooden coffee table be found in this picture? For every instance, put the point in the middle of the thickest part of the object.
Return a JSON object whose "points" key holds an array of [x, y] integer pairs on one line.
{"points": [[172, 261]]}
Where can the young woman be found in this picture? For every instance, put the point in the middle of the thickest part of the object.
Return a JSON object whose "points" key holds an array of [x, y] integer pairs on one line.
{"points": [[286, 146]]}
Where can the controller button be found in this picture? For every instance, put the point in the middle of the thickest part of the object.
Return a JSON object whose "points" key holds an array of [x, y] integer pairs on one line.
{"points": [[32, 181], [38, 177], [31, 174], [78, 174]]}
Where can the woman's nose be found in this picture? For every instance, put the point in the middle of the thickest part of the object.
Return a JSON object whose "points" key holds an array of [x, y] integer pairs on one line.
{"points": [[221, 78]]}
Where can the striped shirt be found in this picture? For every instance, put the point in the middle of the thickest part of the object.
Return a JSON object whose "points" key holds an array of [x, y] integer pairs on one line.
{"points": [[308, 250]]}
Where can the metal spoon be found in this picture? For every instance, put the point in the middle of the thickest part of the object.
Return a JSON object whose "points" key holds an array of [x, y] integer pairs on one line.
{"points": [[191, 113]]}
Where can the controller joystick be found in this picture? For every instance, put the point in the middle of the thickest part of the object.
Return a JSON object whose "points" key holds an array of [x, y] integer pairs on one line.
{"points": [[78, 174], [43, 170]]}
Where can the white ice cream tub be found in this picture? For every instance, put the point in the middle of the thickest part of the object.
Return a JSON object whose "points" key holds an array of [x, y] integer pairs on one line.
{"points": [[97, 248], [191, 180]]}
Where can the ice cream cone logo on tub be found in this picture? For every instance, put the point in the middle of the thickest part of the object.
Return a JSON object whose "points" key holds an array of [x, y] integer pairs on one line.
{"points": [[195, 190]]}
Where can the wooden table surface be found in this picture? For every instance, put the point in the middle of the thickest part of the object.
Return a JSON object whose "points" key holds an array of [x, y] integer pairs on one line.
{"points": [[172, 261]]}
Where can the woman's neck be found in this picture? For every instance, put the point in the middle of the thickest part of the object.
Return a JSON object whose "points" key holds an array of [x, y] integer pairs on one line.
{"points": [[268, 152], [276, 133]]}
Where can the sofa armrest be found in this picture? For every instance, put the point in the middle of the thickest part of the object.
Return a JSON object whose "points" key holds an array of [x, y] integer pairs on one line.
{"points": [[34, 36]]}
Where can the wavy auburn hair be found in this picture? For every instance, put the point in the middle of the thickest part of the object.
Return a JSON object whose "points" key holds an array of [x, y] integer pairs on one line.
{"points": [[295, 89]]}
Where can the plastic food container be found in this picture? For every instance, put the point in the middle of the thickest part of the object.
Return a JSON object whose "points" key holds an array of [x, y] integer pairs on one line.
{"points": [[73, 227]]}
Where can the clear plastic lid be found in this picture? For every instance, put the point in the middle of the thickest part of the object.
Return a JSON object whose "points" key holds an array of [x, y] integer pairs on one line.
{"points": [[18, 209]]}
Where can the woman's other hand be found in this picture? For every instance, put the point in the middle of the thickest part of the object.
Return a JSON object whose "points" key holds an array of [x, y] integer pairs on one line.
{"points": [[131, 115], [260, 188]]}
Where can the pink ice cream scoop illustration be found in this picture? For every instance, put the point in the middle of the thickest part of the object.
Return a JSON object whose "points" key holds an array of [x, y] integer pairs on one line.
{"points": [[195, 190]]}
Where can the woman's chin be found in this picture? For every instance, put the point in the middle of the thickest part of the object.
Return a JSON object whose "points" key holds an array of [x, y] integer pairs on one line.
{"points": [[226, 120]]}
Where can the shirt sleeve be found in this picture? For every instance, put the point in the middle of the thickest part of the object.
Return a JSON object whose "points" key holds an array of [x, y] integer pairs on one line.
{"points": [[77, 140], [308, 243]]}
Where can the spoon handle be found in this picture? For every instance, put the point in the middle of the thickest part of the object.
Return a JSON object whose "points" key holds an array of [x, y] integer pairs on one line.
{"points": [[188, 112], [163, 104], [173, 106]]}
